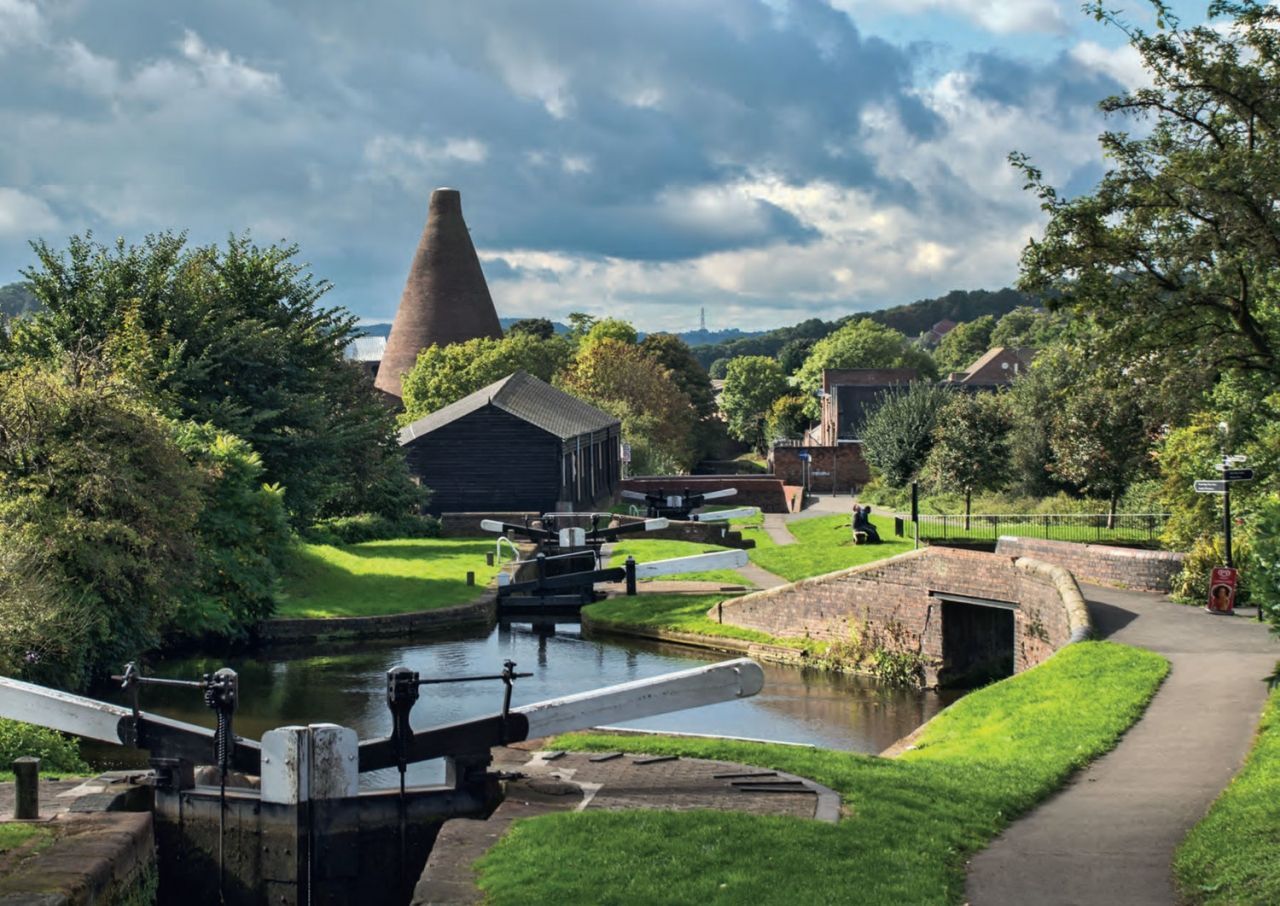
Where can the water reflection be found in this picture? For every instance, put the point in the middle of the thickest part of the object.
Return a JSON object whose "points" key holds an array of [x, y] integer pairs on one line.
{"points": [[345, 684]]}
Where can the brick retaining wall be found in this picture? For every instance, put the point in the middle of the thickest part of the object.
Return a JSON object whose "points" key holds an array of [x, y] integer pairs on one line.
{"points": [[1120, 567], [844, 464], [892, 598]]}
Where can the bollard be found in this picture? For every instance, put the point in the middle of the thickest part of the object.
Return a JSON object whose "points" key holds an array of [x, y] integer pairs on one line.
{"points": [[488, 558], [471, 577], [630, 570], [26, 777]]}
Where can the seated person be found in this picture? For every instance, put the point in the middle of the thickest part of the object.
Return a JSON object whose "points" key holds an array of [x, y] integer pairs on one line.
{"points": [[862, 523]]}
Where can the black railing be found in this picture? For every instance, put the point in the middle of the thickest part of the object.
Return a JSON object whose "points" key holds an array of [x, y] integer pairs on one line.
{"points": [[1122, 528]]}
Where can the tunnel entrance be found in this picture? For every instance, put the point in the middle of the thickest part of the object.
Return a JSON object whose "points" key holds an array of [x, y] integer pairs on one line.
{"points": [[977, 640]]}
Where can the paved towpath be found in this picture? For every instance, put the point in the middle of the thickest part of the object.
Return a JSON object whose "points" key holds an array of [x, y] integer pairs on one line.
{"points": [[1109, 836]]}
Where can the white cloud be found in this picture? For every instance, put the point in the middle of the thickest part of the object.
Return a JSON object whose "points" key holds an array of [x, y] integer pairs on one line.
{"points": [[223, 73], [415, 163], [23, 215], [999, 16], [1123, 63], [20, 23], [529, 73]]}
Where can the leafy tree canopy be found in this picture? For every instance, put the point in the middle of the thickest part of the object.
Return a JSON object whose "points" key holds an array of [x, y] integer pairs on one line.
{"points": [[899, 433], [542, 328], [861, 344], [752, 384], [443, 374], [1177, 249], [970, 444], [675, 355], [232, 336], [626, 381], [964, 344]]}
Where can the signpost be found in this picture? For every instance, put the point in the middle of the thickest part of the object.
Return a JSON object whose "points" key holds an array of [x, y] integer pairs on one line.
{"points": [[1222, 585]]}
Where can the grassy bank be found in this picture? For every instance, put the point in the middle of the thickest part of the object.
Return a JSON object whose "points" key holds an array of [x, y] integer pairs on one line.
{"points": [[646, 551], [909, 826], [1233, 854], [824, 544], [675, 613], [383, 577]]}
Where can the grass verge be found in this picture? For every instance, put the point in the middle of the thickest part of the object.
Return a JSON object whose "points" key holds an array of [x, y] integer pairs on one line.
{"points": [[1233, 854], [382, 577], [663, 549], [910, 823], [14, 835], [823, 545], [676, 613]]}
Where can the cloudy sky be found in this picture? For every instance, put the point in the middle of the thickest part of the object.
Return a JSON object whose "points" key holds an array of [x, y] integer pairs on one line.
{"points": [[770, 160]]}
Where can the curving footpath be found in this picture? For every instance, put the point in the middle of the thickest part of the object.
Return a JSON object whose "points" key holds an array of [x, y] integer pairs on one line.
{"points": [[1109, 836]]}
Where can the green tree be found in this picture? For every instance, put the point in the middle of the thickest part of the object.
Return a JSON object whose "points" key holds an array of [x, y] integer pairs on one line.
{"points": [[1176, 251], [444, 374], [1099, 437], [793, 354], [788, 417], [624, 380], [717, 369], [1027, 326], [970, 445], [860, 344], [751, 385], [899, 433], [612, 329], [234, 337], [98, 510], [964, 344], [241, 537], [579, 324], [675, 355], [542, 328]]}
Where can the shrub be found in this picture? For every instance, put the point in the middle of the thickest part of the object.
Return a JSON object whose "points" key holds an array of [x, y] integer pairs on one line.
{"points": [[371, 527], [57, 753]]}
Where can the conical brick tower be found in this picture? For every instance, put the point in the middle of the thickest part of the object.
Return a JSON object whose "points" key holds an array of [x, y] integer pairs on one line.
{"points": [[445, 299]]}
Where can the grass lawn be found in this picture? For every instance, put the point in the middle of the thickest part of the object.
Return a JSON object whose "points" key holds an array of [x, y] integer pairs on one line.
{"points": [[662, 549], [824, 544], [1233, 854], [910, 823], [680, 613], [14, 835], [382, 577]]}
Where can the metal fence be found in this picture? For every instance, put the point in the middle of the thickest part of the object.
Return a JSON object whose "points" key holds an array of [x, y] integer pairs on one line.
{"points": [[1128, 528]]}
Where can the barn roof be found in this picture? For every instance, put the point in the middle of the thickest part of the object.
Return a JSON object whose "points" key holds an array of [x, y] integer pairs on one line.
{"points": [[527, 398]]}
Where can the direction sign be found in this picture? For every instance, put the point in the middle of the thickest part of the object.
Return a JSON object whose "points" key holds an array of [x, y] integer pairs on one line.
{"points": [[1211, 487], [805, 457], [1237, 474]]}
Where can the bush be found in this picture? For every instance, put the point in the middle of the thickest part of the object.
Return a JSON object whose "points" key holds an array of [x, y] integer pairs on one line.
{"points": [[57, 753], [1192, 584], [371, 527]]}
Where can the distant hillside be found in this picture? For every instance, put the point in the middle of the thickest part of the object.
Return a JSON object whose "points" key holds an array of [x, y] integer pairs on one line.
{"points": [[912, 320], [17, 299]]}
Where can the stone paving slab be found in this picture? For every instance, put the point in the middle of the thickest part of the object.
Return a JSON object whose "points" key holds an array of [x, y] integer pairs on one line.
{"points": [[574, 781], [1109, 835], [775, 526]]}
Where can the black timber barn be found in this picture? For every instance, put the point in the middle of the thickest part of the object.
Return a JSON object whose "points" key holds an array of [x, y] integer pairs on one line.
{"points": [[517, 445]]}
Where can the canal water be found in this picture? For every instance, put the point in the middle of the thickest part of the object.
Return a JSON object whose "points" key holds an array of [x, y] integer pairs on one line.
{"points": [[346, 684]]}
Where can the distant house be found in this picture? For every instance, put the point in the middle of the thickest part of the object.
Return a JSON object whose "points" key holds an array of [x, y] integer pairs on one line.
{"points": [[848, 395], [367, 353], [997, 367], [933, 336], [517, 445]]}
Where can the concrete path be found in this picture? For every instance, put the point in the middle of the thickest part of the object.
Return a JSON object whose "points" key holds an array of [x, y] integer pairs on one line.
{"points": [[775, 526], [761, 577], [1109, 836]]}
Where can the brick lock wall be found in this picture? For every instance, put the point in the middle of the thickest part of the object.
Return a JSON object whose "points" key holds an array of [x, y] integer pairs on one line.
{"points": [[844, 464], [1120, 567], [893, 596]]}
